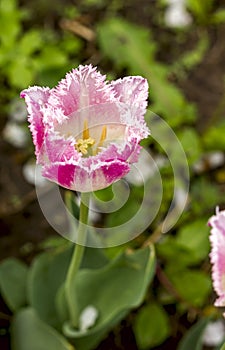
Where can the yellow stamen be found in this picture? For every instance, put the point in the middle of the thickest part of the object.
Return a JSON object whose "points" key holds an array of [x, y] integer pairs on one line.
{"points": [[83, 145], [86, 133], [103, 136]]}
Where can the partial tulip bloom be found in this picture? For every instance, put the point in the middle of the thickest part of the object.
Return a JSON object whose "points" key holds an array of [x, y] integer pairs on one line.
{"points": [[87, 131], [217, 255]]}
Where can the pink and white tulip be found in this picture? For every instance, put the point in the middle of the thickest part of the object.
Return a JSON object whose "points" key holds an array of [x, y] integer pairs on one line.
{"points": [[217, 255], [87, 131]]}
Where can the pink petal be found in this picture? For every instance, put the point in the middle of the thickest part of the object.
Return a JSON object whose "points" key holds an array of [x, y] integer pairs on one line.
{"points": [[61, 174], [133, 91], [82, 179], [96, 116], [60, 150], [217, 255], [114, 171], [35, 98], [100, 177], [124, 152], [81, 88]]}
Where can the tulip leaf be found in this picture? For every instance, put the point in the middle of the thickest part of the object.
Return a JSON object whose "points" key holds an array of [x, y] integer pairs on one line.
{"points": [[118, 287], [29, 332], [13, 277], [193, 338], [48, 273]]}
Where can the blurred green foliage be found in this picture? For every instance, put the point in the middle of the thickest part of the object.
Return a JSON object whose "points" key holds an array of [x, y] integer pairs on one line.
{"points": [[149, 320], [32, 55]]}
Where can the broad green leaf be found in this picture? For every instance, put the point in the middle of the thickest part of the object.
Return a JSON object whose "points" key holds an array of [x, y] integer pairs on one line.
{"points": [[222, 348], [113, 290], [48, 273], [30, 333], [193, 286], [13, 277], [151, 326], [192, 340]]}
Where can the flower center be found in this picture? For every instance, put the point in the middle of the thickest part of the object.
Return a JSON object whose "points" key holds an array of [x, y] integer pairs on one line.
{"points": [[84, 144]]}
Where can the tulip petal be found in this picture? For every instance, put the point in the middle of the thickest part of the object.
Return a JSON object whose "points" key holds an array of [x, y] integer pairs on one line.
{"points": [[217, 255], [62, 174], [82, 179], [132, 91], [60, 150], [81, 87], [35, 98], [100, 177]]}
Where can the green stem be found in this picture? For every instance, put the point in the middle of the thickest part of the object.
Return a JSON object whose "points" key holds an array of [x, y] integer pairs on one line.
{"points": [[76, 259]]}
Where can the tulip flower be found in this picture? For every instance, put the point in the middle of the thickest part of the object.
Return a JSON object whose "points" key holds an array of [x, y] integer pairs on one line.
{"points": [[87, 131], [217, 255]]}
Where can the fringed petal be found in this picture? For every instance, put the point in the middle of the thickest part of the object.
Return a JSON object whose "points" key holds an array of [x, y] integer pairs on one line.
{"points": [[35, 98], [81, 179], [81, 87], [133, 91], [217, 255], [62, 174]]}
